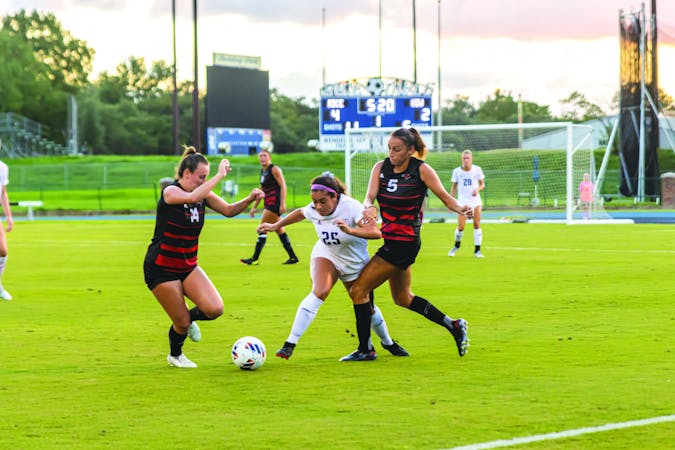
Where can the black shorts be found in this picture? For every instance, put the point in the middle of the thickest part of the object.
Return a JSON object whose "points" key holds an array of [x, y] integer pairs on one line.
{"points": [[155, 275], [276, 209], [402, 254]]}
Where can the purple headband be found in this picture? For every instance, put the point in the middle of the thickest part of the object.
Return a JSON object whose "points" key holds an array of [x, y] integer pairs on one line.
{"points": [[321, 187]]}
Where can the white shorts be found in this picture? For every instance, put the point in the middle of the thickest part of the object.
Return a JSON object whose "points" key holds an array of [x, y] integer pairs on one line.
{"points": [[348, 270], [471, 201]]}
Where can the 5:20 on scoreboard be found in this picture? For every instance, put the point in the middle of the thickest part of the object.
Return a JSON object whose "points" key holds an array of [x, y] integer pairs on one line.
{"points": [[340, 113]]}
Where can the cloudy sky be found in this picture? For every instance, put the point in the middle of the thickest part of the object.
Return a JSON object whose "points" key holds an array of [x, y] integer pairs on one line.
{"points": [[540, 49]]}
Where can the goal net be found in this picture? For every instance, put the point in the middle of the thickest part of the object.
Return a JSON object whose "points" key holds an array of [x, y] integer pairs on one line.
{"points": [[532, 171]]}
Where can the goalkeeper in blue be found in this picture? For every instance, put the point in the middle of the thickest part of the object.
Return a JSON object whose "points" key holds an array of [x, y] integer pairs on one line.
{"points": [[340, 253]]}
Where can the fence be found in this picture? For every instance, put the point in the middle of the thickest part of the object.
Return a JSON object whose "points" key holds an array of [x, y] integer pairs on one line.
{"points": [[135, 186]]}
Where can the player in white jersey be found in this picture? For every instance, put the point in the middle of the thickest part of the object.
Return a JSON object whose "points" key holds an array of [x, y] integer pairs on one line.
{"points": [[340, 252], [4, 202], [467, 182]]}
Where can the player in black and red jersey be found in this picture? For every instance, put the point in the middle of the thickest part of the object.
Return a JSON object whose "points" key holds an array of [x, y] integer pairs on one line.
{"points": [[170, 266], [399, 183], [273, 184]]}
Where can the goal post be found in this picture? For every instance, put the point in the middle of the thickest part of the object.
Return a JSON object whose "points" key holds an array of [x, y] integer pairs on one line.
{"points": [[532, 170]]}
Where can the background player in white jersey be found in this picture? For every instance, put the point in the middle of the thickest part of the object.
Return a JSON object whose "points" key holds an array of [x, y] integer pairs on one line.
{"points": [[341, 252], [467, 182], [4, 202]]}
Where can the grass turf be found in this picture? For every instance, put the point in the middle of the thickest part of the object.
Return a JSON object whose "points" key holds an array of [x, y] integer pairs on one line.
{"points": [[570, 327]]}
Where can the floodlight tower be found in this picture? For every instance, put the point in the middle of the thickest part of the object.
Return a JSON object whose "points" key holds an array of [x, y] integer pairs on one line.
{"points": [[195, 90]]}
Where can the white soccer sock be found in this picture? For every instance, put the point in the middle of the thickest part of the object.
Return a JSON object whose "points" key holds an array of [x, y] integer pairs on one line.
{"points": [[304, 316], [379, 326], [477, 236], [458, 235], [3, 260]]}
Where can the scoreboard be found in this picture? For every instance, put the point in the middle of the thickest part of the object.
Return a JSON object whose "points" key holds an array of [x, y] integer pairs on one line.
{"points": [[338, 113]]}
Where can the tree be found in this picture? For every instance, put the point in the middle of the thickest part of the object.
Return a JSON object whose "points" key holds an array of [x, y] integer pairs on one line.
{"points": [[500, 108], [66, 60], [292, 121], [577, 108], [459, 111], [666, 102], [19, 86]]}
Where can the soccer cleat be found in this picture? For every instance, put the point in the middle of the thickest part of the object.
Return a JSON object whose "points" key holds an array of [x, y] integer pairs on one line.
{"points": [[194, 333], [5, 295], [249, 261], [459, 331], [396, 349], [180, 361], [453, 251], [357, 355], [286, 350], [478, 254], [292, 261]]}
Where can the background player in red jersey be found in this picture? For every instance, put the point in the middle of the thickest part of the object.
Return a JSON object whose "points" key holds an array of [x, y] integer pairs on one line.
{"points": [[170, 266], [399, 183], [273, 184]]}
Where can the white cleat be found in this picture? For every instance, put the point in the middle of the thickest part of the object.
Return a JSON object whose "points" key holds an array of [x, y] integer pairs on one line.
{"points": [[5, 295], [453, 251], [478, 254], [180, 361], [194, 333]]}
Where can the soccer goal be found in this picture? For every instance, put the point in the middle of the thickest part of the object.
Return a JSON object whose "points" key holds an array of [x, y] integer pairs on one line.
{"points": [[532, 171]]}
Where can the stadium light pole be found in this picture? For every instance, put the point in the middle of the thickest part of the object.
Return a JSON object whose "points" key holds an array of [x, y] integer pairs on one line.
{"points": [[439, 119], [414, 41], [174, 106], [323, 53], [196, 138], [379, 24]]}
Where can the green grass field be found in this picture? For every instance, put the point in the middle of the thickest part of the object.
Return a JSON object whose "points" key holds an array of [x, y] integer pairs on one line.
{"points": [[570, 327]]}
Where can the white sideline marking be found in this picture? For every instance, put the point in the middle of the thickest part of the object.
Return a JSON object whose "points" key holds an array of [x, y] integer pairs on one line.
{"points": [[566, 434], [585, 250]]}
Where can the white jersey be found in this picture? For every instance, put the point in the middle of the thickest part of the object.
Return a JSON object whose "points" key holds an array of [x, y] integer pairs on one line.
{"points": [[467, 182], [4, 174], [349, 254]]}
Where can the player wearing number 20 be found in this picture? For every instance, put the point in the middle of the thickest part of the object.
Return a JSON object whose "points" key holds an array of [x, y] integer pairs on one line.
{"points": [[467, 182]]}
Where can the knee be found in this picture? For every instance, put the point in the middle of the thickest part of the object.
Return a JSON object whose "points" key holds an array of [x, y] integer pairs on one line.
{"points": [[214, 312], [181, 326], [403, 300], [321, 293], [358, 294]]}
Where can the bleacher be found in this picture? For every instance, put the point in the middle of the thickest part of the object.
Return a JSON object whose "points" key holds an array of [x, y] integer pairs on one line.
{"points": [[23, 137]]}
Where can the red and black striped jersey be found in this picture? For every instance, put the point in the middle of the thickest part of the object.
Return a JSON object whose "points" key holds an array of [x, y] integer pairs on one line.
{"points": [[176, 240], [270, 187], [401, 196]]}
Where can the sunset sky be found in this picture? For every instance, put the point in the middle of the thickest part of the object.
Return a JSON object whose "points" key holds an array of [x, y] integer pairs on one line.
{"points": [[540, 49]]}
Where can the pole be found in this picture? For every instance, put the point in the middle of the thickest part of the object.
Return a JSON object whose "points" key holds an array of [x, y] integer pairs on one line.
{"points": [[174, 106], [196, 134], [520, 121], [641, 156], [380, 38], [414, 43], [323, 53], [439, 114]]}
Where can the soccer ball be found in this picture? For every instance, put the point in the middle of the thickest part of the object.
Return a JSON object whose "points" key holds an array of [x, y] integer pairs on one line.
{"points": [[375, 86], [248, 353]]}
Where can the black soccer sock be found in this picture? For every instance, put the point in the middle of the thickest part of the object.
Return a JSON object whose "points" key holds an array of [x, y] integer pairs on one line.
{"points": [[423, 307], [458, 243], [197, 314], [176, 341], [287, 245], [260, 243], [363, 313], [476, 249]]}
